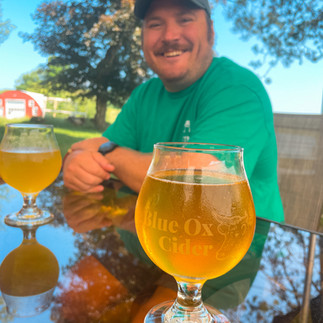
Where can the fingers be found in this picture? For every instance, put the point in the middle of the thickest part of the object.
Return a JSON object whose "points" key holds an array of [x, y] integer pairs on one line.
{"points": [[77, 185], [92, 224], [103, 162], [77, 215], [84, 212], [84, 171], [76, 202]]}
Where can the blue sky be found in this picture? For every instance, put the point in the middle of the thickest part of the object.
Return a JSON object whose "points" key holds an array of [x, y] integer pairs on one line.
{"points": [[297, 89]]}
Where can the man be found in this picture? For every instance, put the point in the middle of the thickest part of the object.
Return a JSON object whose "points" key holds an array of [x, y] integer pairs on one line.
{"points": [[196, 97]]}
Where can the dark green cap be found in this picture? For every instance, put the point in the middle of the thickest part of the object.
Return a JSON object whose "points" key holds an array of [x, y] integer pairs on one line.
{"points": [[141, 6]]}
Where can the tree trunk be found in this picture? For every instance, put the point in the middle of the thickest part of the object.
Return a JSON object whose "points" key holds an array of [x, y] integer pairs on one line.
{"points": [[101, 108]]}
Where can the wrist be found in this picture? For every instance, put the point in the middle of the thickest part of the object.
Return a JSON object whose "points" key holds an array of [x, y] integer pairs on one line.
{"points": [[107, 147]]}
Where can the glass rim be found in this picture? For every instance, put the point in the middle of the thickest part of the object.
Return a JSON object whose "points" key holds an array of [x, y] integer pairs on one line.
{"points": [[28, 125], [208, 146]]}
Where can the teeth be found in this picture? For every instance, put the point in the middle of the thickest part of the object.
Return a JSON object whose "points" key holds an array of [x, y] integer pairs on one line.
{"points": [[172, 54]]}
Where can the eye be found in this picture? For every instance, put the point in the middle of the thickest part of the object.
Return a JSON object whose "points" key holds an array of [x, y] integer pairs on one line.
{"points": [[153, 24], [185, 19]]}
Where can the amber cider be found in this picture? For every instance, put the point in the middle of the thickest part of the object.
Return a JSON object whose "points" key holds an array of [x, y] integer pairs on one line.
{"points": [[30, 171], [195, 225]]}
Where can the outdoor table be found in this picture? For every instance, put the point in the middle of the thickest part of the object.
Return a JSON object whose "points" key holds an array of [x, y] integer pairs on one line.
{"points": [[105, 276]]}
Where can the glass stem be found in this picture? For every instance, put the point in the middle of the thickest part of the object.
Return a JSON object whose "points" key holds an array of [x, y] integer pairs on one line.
{"points": [[29, 234], [188, 306], [189, 294], [29, 208]]}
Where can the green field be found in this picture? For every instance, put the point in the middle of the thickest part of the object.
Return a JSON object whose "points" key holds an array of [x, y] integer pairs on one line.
{"points": [[66, 132]]}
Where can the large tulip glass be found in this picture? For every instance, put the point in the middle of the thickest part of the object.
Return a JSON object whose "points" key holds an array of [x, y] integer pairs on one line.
{"points": [[195, 219]]}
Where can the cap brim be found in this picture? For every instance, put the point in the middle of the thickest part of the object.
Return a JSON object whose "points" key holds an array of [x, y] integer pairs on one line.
{"points": [[141, 7]]}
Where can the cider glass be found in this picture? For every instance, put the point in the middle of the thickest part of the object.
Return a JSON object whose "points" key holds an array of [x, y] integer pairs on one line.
{"points": [[195, 219], [30, 160]]}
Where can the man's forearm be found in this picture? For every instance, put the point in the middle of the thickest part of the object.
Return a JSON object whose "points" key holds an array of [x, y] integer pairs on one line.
{"points": [[130, 166], [91, 144]]}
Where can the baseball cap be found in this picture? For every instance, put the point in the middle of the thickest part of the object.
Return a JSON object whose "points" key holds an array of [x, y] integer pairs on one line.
{"points": [[141, 6]]}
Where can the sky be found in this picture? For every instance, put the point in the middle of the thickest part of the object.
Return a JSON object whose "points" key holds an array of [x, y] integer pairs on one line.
{"points": [[297, 89]]}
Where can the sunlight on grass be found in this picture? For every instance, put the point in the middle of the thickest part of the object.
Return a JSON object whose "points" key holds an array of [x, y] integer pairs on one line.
{"points": [[74, 133]]}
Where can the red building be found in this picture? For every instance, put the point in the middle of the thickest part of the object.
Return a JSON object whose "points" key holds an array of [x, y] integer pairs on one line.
{"points": [[18, 104]]}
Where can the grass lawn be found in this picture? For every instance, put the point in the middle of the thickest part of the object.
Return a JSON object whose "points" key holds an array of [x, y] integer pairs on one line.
{"points": [[66, 132]]}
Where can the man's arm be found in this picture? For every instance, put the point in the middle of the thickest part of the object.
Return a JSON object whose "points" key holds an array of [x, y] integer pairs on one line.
{"points": [[130, 166], [85, 169]]}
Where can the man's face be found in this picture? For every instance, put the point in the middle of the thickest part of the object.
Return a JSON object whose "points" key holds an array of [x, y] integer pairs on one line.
{"points": [[177, 43]]}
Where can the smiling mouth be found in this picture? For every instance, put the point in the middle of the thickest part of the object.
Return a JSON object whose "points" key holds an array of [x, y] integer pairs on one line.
{"points": [[173, 53]]}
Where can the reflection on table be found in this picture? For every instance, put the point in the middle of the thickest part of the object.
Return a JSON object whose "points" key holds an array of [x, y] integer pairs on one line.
{"points": [[105, 276], [28, 276]]}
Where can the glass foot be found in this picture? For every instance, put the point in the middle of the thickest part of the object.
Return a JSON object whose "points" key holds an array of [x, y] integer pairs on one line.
{"points": [[26, 306], [16, 220], [163, 313]]}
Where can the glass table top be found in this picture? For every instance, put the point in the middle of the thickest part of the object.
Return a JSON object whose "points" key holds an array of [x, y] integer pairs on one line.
{"points": [[88, 266]]}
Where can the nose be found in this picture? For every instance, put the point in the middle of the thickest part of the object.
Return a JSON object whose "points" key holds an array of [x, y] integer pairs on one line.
{"points": [[171, 32]]}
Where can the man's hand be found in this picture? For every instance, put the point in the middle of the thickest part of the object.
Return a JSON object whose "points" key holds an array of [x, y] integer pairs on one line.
{"points": [[85, 170], [84, 213]]}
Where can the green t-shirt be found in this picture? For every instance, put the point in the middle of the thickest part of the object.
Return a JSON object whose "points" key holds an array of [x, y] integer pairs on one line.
{"points": [[227, 105]]}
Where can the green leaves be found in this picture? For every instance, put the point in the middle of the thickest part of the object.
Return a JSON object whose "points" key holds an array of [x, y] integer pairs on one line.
{"points": [[285, 31], [95, 49], [5, 27]]}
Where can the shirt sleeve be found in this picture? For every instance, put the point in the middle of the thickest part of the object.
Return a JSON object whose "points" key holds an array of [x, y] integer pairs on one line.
{"points": [[123, 130]]}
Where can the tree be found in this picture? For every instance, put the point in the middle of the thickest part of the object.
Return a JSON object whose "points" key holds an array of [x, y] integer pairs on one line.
{"points": [[95, 49], [285, 30], [5, 28]]}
